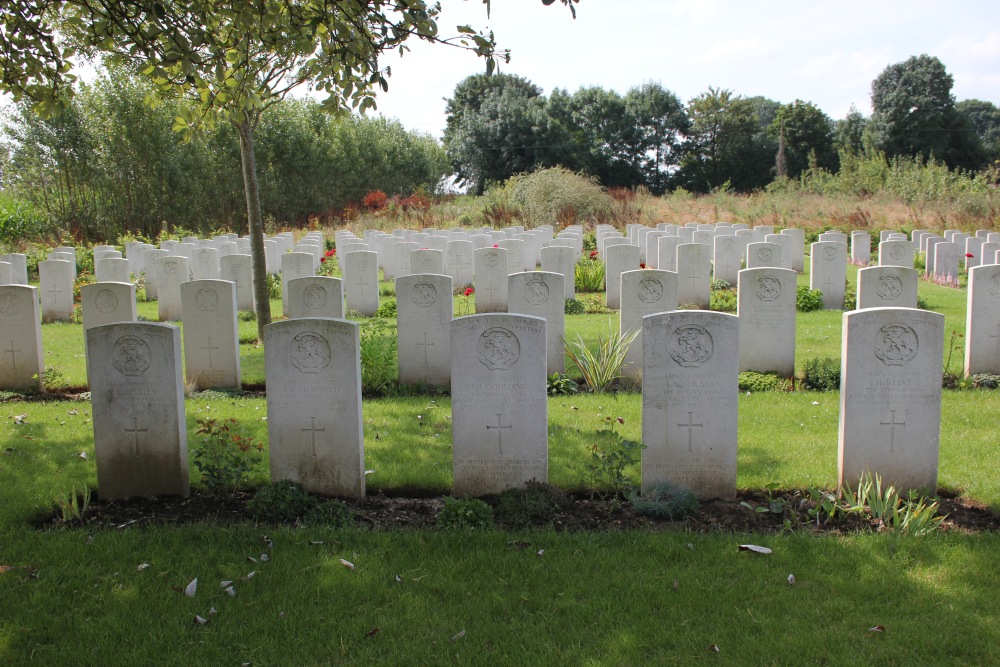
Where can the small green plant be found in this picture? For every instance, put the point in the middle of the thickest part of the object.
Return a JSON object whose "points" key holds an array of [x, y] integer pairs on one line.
{"points": [[560, 384], [807, 300], [889, 510], [574, 307], [387, 289], [952, 378], [53, 379], [775, 504], [610, 455], [753, 381], [589, 274], [465, 514], [825, 506], [985, 381], [821, 374], [723, 301], [595, 305], [601, 369], [378, 357], [850, 296], [665, 501], [281, 502], [330, 513], [533, 504], [721, 285], [246, 316], [224, 459], [273, 286], [73, 506], [387, 310]]}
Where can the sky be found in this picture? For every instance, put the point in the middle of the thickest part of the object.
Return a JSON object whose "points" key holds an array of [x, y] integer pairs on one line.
{"points": [[820, 51]]}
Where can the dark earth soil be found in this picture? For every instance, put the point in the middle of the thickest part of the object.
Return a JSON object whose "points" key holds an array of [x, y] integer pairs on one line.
{"points": [[577, 513]]}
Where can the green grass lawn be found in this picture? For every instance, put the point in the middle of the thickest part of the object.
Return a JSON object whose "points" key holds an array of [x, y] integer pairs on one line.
{"points": [[488, 598]]}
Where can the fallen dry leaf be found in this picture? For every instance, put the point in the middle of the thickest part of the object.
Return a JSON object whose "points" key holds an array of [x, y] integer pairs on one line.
{"points": [[230, 591], [372, 632], [198, 620], [192, 588], [269, 542], [315, 542], [714, 648], [83, 455], [754, 548], [676, 585], [144, 566], [541, 552], [264, 558], [458, 636], [877, 628], [791, 580], [225, 584], [19, 419], [346, 563], [249, 576]]}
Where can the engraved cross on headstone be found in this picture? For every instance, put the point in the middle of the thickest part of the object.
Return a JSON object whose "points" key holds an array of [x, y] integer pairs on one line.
{"points": [[892, 424], [690, 426], [491, 289], [499, 428], [459, 262], [693, 275], [11, 352], [425, 345], [312, 431], [361, 280], [135, 431], [53, 291], [829, 283], [210, 347]]}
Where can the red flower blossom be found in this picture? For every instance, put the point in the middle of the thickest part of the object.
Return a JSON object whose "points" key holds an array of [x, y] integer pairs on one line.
{"points": [[969, 254], [331, 253], [469, 291], [593, 254], [642, 265], [495, 245], [322, 259]]}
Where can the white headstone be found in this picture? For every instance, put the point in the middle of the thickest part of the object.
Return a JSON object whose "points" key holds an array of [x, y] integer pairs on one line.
{"points": [[694, 280], [460, 265], [402, 250], [316, 296], [895, 253], [796, 248], [666, 252], [21, 361], [361, 281], [296, 265], [764, 255], [516, 250], [540, 293], [618, 258], [644, 292], [112, 270], [828, 272], [887, 287], [766, 310], [726, 260], [499, 405], [56, 287], [427, 260], [491, 280], [424, 312], [211, 338], [690, 401], [890, 397], [19, 267], [561, 260], [238, 269], [107, 303], [861, 247], [982, 321], [140, 434], [205, 264], [173, 271], [947, 257]]}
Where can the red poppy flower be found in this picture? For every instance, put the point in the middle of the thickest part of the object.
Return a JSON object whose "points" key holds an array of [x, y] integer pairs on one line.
{"points": [[469, 291], [593, 254], [642, 265], [322, 259], [969, 254], [495, 245]]}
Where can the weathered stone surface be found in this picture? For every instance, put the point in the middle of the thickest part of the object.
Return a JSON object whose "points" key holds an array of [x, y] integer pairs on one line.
{"points": [[211, 338], [55, 278], [112, 270], [890, 397], [107, 303], [499, 405], [982, 321], [947, 257], [764, 255], [205, 264], [427, 260], [516, 250], [314, 425], [172, 271], [689, 401], [694, 279], [539, 293], [887, 287], [19, 267], [424, 312], [491, 280], [297, 265], [861, 247], [561, 260], [895, 253], [726, 260], [361, 281], [828, 272], [618, 258], [666, 252], [796, 248], [460, 264], [137, 395], [316, 296], [402, 250], [237, 268], [766, 310], [21, 362], [644, 292]]}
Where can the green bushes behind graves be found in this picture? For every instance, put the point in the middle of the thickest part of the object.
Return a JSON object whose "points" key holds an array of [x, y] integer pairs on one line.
{"points": [[807, 300], [821, 374], [555, 194]]}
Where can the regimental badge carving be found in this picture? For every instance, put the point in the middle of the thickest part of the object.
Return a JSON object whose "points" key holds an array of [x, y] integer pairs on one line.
{"points": [[9, 305], [314, 297], [725, 243], [204, 257], [491, 259], [765, 254], [498, 349], [106, 301], [424, 294], [130, 355], [896, 251], [896, 344], [889, 288], [536, 292], [309, 352], [994, 287], [170, 268], [690, 345], [206, 300], [768, 288], [829, 254], [650, 290]]}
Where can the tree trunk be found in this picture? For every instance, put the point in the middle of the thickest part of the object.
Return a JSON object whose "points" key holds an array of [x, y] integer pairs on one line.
{"points": [[255, 225]]}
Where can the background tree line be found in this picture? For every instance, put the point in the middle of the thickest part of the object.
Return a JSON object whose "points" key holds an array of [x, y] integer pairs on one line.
{"points": [[111, 162], [501, 125]]}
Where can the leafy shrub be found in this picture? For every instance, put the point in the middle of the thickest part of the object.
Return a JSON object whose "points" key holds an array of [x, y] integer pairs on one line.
{"points": [[821, 374], [574, 307], [375, 200], [20, 220], [595, 305], [665, 501], [388, 289], [465, 514], [273, 286], [559, 194], [331, 513], [561, 384], [284, 501], [753, 381], [246, 316], [850, 297], [912, 515], [387, 310], [808, 300], [610, 456], [723, 301], [378, 358], [601, 369], [224, 459], [986, 380], [589, 274], [533, 504], [720, 285]]}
